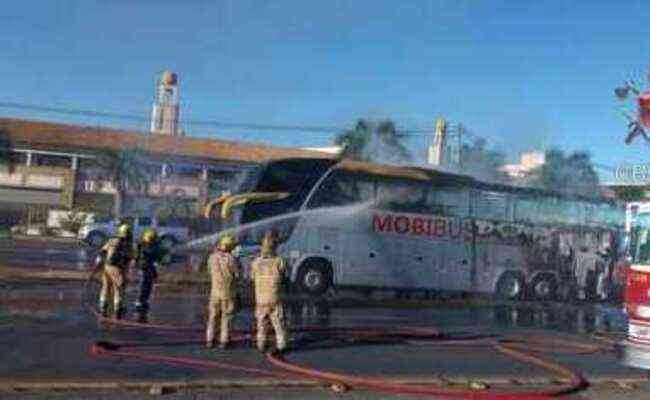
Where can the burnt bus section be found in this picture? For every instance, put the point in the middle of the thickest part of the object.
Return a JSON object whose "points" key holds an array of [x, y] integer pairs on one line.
{"points": [[294, 176]]}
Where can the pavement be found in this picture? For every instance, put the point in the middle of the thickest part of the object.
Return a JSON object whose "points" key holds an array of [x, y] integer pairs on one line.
{"points": [[47, 333]]}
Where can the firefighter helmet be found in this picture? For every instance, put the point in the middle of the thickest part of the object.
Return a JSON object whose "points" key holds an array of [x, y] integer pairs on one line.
{"points": [[124, 231], [227, 242], [149, 235]]}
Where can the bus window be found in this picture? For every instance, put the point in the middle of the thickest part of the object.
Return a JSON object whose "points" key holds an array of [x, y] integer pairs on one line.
{"points": [[490, 205], [547, 211], [403, 195], [448, 202], [526, 210], [589, 210], [341, 189]]}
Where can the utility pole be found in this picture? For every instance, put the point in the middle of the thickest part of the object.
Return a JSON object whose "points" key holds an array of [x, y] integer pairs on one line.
{"points": [[459, 135]]}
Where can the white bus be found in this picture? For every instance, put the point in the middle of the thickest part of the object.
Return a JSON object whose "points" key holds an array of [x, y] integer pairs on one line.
{"points": [[365, 225]]}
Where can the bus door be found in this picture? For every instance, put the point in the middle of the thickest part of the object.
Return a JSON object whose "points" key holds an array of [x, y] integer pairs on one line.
{"points": [[342, 205]]}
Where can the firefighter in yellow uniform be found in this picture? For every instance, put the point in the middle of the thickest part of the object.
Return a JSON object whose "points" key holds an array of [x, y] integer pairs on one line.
{"points": [[118, 253], [267, 273], [224, 270]]}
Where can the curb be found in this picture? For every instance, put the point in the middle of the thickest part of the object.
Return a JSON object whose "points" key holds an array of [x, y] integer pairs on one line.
{"points": [[126, 385], [257, 383]]}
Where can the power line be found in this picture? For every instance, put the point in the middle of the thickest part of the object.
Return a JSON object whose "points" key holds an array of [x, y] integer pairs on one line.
{"points": [[212, 123]]}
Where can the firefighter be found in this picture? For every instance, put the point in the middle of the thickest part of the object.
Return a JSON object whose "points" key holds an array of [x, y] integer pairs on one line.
{"points": [[117, 255], [149, 256], [268, 274], [224, 269]]}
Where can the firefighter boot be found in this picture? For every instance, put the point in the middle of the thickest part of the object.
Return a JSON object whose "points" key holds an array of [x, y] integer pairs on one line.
{"points": [[120, 311], [103, 309]]}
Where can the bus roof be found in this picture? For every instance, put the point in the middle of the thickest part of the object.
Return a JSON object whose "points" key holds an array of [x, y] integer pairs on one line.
{"points": [[404, 172], [452, 178]]}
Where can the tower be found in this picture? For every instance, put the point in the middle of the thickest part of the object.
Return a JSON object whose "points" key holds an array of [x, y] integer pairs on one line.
{"points": [[164, 116], [437, 154]]}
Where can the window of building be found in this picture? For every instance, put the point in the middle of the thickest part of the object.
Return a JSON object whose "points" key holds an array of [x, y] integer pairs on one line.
{"points": [[89, 186], [18, 158], [47, 160]]}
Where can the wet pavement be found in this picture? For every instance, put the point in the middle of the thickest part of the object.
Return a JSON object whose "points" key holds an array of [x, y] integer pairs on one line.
{"points": [[36, 253], [47, 333]]}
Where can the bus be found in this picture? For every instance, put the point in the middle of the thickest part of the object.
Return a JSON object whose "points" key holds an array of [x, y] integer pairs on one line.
{"points": [[364, 225]]}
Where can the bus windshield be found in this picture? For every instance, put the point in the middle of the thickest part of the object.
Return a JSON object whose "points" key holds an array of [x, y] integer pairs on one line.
{"points": [[640, 246], [294, 176]]}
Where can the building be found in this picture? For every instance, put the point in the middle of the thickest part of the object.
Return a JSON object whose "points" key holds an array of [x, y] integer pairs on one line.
{"points": [[166, 108], [53, 165], [438, 151], [528, 164]]}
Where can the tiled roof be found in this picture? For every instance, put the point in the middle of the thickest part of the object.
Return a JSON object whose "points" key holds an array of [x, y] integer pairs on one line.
{"points": [[56, 136]]}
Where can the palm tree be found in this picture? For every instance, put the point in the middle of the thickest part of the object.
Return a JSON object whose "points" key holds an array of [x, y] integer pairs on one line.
{"points": [[123, 169], [572, 173], [370, 141]]}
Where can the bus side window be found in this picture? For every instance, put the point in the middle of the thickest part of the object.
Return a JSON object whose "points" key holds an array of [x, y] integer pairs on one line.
{"points": [[526, 210], [490, 205], [447, 201], [341, 189], [402, 195]]}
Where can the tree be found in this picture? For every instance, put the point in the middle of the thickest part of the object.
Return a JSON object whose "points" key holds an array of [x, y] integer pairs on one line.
{"points": [[573, 173], [370, 141], [123, 170], [479, 161]]}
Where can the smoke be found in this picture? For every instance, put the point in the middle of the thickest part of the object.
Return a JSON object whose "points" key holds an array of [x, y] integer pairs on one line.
{"points": [[374, 141]]}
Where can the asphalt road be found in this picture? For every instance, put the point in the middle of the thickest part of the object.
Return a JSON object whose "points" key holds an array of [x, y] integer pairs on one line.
{"points": [[41, 254], [47, 334]]}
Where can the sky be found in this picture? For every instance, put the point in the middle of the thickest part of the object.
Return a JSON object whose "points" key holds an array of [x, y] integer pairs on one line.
{"points": [[523, 74]]}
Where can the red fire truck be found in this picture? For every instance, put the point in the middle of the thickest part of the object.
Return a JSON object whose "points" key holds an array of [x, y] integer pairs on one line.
{"points": [[636, 348]]}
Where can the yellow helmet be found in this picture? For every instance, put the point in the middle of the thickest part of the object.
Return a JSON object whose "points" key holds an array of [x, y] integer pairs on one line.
{"points": [[227, 242], [124, 231], [268, 244], [149, 235]]}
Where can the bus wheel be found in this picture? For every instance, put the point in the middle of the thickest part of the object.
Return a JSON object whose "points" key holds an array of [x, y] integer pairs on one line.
{"points": [[315, 278], [544, 287], [510, 286]]}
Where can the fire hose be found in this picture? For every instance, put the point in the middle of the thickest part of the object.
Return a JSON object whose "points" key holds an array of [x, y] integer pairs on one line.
{"points": [[520, 349]]}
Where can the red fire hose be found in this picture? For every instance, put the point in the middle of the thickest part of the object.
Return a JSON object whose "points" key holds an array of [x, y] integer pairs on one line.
{"points": [[523, 349]]}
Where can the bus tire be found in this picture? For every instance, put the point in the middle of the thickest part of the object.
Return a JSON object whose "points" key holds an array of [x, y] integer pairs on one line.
{"points": [[544, 287], [315, 277], [510, 286]]}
